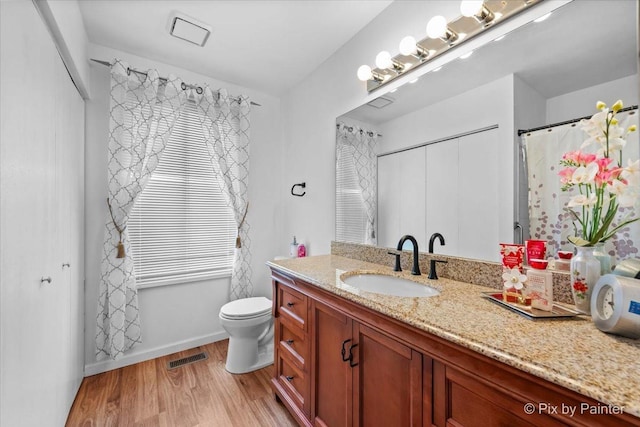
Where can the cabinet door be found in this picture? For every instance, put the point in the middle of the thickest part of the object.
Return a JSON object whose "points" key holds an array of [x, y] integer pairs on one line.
{"points": [[387, 384], [332, 376]]}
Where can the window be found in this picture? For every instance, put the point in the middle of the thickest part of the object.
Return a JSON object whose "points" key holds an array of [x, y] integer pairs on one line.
{"points": [[351, 217], [181, 228]]}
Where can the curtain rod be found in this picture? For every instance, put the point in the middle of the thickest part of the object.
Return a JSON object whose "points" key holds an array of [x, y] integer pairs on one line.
{"points": [[350, 129], [164, 79], [521, 131]]}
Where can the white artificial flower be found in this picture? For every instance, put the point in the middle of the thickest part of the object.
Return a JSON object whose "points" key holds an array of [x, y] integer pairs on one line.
{"points": [[582, 200], [513, 279], [631, 173], [585, 175], [617, 187], [629, 198]]}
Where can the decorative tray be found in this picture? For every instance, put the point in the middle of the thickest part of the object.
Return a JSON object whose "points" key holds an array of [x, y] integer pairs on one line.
{"points": [[528, 312]]}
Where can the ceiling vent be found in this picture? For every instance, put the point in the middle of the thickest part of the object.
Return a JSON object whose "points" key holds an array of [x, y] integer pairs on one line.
{"points": [[189, 29], [380, 102]]}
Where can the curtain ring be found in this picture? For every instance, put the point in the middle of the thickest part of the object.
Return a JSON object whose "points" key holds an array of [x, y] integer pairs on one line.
{"points": [[199, 90], [183, 86], [128, 71]]}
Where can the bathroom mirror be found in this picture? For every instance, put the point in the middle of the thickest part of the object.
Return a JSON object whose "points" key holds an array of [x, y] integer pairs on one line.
{"points": [[447, 152]]}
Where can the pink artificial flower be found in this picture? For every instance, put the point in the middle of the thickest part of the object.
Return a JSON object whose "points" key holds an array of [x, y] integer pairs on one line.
{"points": [[585, 158], [603, 162], [572, 156], [566, 174]]}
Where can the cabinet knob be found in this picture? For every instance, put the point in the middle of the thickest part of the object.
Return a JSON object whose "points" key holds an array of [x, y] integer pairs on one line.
{"points": [[289, 378], [45, 279], [289, 342], [290, 304]]}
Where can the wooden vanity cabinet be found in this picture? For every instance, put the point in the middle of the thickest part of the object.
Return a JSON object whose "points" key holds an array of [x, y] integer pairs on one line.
{"points": [[360, 376], [291, 350], [340, 364]]}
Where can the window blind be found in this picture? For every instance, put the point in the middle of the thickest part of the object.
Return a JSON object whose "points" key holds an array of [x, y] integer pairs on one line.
{"points": [[350, 214], [181, 228]]}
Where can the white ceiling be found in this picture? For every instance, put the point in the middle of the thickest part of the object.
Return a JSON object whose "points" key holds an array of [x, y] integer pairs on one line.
{"points": [[265, 45]]}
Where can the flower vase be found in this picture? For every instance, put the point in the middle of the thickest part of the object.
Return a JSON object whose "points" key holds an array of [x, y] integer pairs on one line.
{"points": [[605, 259], [585, 272]]}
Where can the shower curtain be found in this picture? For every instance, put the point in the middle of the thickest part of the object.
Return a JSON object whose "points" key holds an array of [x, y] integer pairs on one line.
{"points": [[547, 202], [359, 145]]}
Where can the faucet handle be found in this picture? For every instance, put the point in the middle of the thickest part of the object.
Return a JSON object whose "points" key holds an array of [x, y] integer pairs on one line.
{"points": [[397, 255]]}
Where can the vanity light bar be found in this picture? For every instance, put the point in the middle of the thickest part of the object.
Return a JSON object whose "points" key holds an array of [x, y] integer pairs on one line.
{"points": [[477, 17]]}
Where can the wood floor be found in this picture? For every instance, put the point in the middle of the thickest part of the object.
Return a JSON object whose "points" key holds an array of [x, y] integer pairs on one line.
{"points": [[198, 394]]}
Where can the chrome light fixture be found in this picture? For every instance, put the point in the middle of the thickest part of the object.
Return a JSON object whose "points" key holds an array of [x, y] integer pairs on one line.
{"points": [[476, 9], [477, 16]]}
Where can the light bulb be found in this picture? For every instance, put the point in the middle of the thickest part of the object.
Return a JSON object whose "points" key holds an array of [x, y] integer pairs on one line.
{"points": [[383, 60], [437, 27], [365, 73], [408, 46], [469, 8]]}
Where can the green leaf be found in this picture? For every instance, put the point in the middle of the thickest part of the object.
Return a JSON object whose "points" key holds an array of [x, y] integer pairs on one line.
{"points": [[578, 241], [615, 230]]}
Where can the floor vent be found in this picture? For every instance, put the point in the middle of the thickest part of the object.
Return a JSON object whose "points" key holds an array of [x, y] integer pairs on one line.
{"points": [[186, 360]]}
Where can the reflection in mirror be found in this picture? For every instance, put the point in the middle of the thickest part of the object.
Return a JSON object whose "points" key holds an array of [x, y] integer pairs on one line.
{"points": [[448, 154]]}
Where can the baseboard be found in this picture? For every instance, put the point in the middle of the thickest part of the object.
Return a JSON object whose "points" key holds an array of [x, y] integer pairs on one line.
{"points": [[130, 359]]}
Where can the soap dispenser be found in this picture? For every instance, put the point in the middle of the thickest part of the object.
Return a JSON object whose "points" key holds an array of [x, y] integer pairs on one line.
{"points": [[293, 248]]}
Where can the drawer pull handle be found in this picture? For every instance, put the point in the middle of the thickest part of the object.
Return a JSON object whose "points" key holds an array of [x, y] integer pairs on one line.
{"points": [[344, 351], [289, 378], [289, 342], [353, 365], [45, 279], [290, 304]]}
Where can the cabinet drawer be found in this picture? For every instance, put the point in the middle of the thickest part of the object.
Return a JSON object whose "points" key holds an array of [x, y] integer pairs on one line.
{"points": [[293, 344], [293, 305], [293, 381]]}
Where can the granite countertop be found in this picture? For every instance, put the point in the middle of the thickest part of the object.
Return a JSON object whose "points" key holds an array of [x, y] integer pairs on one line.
{"points": [[570, 352]]}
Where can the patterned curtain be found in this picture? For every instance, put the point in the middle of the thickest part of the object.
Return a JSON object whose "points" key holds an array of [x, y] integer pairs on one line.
{"points": [[225, 122], [547, 202], [364, 157], [143, 112]]}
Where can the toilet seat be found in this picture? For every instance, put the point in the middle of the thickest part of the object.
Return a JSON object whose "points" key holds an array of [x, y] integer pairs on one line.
{"points": [[246, 308]]}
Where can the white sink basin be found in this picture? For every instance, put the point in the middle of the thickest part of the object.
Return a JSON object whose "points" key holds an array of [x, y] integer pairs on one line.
{"points": [[388, 285]]}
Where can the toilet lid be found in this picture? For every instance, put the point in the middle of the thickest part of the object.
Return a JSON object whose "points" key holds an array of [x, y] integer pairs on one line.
{"points": [[246, 307]]}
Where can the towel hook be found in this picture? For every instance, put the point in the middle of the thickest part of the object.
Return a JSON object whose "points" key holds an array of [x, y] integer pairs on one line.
{"points": [[303, 185]]}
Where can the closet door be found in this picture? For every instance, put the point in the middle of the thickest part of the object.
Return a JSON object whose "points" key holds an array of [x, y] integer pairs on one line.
{"points": [[479, 193], [401, 179], [442, 208], [70, 241], [38, 332]]}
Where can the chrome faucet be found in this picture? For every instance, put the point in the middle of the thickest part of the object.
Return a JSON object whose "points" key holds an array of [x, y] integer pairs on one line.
{"points": [[433, 275], [416, 267]]}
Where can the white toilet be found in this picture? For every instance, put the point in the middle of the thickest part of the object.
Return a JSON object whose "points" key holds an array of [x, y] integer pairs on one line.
{"points": [[250, 326]]}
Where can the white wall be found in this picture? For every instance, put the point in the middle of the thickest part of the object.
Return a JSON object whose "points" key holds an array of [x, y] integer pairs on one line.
{"points": [[181, 316], [65, 24], [530, 111], [582, 103]]}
